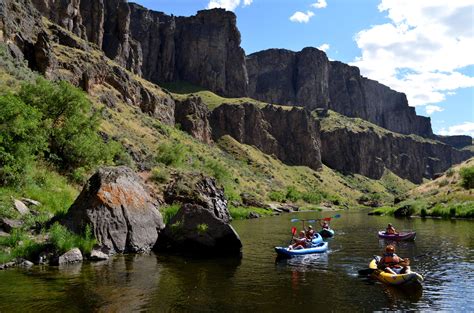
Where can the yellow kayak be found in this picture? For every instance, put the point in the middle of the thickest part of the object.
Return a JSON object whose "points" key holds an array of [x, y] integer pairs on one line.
{"points": [[391, 279]]}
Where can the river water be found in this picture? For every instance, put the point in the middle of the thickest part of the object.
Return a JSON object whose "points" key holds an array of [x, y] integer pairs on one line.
{"points": [[326, 282]]}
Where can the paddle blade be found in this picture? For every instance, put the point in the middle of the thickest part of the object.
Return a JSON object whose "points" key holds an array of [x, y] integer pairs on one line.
{"points": [[293, 230], [327, 219], [311, 221], [294, 220], [337, 216]]}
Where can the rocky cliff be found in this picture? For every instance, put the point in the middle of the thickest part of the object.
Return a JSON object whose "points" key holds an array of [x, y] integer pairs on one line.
{"points": [[308, 79], [203, 49], [59, 53], [459, 141], [291, 135], [355, 146]]}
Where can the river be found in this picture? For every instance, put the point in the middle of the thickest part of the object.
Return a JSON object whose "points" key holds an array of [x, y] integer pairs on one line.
{"points": [[326, 282]]}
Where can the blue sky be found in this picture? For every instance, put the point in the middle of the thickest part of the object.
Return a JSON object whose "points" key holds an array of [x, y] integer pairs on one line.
{"points": [[424, 48]]}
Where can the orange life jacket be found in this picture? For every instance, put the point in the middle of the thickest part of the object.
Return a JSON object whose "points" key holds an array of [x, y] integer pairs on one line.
{"points": [[390, 260]]}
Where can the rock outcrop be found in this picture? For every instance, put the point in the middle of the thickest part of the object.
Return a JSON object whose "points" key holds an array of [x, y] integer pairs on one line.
{"points": [[308, 79], [354, 146], [291, 135], [203, 49], [118, 207], [201, 226], [459, 141], [288, 78], [193, 117]]}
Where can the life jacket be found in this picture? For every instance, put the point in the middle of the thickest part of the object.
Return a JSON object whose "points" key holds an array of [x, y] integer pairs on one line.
{"points": [[390, 230], [390, 260]]}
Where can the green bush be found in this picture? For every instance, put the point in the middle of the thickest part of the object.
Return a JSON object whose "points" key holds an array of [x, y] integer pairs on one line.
{"points": [[467, 176], [423, 212], [169, 211], [160, 175], [171, 154], [292, 194], [217, 170], [22, 138], [71, 123], [443, 183], [278, 196], [202, 228]]}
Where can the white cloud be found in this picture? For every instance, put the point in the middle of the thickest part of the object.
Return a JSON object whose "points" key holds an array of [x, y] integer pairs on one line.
{"points": [[320, 4], [421, 50], [229, 5], [324, 47], [301, 17], [466, 128], [430, 109]]}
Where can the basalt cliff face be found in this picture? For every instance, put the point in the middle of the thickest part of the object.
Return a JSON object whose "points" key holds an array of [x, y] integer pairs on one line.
{"points": [[203, 49], [352, 146], [290, 135], [308, 79]]}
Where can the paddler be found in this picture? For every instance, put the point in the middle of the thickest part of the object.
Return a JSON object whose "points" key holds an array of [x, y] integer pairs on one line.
{"points": [[392, 263]]}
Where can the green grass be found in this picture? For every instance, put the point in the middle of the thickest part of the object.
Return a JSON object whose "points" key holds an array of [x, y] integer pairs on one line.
{"points": [[240, 213], [63, 240], [42, 184], [169, 211]]}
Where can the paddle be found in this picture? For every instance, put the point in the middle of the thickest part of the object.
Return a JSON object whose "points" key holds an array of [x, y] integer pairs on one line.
{"points": [[293, 232], [317, 219]]}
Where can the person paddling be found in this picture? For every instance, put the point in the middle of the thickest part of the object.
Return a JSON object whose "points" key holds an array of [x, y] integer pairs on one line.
{"points": [[392, 263], [310, 232], [324, 224], [390, 230], [300, 242]]}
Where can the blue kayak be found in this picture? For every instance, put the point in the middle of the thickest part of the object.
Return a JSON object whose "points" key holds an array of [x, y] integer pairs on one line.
{"points": [[316, 248], [316, 239], [327, 233]]}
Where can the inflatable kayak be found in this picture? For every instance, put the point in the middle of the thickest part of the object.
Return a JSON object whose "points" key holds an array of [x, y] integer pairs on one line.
{"points": [[399, 236], [327, 233], [317, 238], [395, 280], [317, 248]]}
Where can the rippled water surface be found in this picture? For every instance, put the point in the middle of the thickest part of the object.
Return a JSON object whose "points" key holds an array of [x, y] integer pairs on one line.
{"points": [[326, 282]]}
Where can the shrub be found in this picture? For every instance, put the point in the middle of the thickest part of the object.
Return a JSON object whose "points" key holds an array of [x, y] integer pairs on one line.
{"points": [[467, 176], [168, 212], [423, 212], [217, 170], [278, 196], [443, 183], [292, 194], [450, 172], [173, 154], [160, 175], [71, 123], [21, 138], [202, 228]]}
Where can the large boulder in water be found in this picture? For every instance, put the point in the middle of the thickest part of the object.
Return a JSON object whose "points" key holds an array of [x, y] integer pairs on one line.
{"points": [[201, 226], [119, 208]]}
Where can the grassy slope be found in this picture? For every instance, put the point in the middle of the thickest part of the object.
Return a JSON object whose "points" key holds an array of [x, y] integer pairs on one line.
{"points": [[444, 196]]}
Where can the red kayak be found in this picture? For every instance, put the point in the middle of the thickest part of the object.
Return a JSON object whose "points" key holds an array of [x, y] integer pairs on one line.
{"points": [[399, 236]]}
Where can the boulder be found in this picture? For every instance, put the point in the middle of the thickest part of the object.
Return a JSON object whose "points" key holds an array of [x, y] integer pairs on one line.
{"points": [[72, 256], [24, 263], [120, 210], [8, 224], [30, 202], [253, 215], [201, 226], [404, 211], [193, 117], [251, 201], [97, 255], [21, 207]]}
